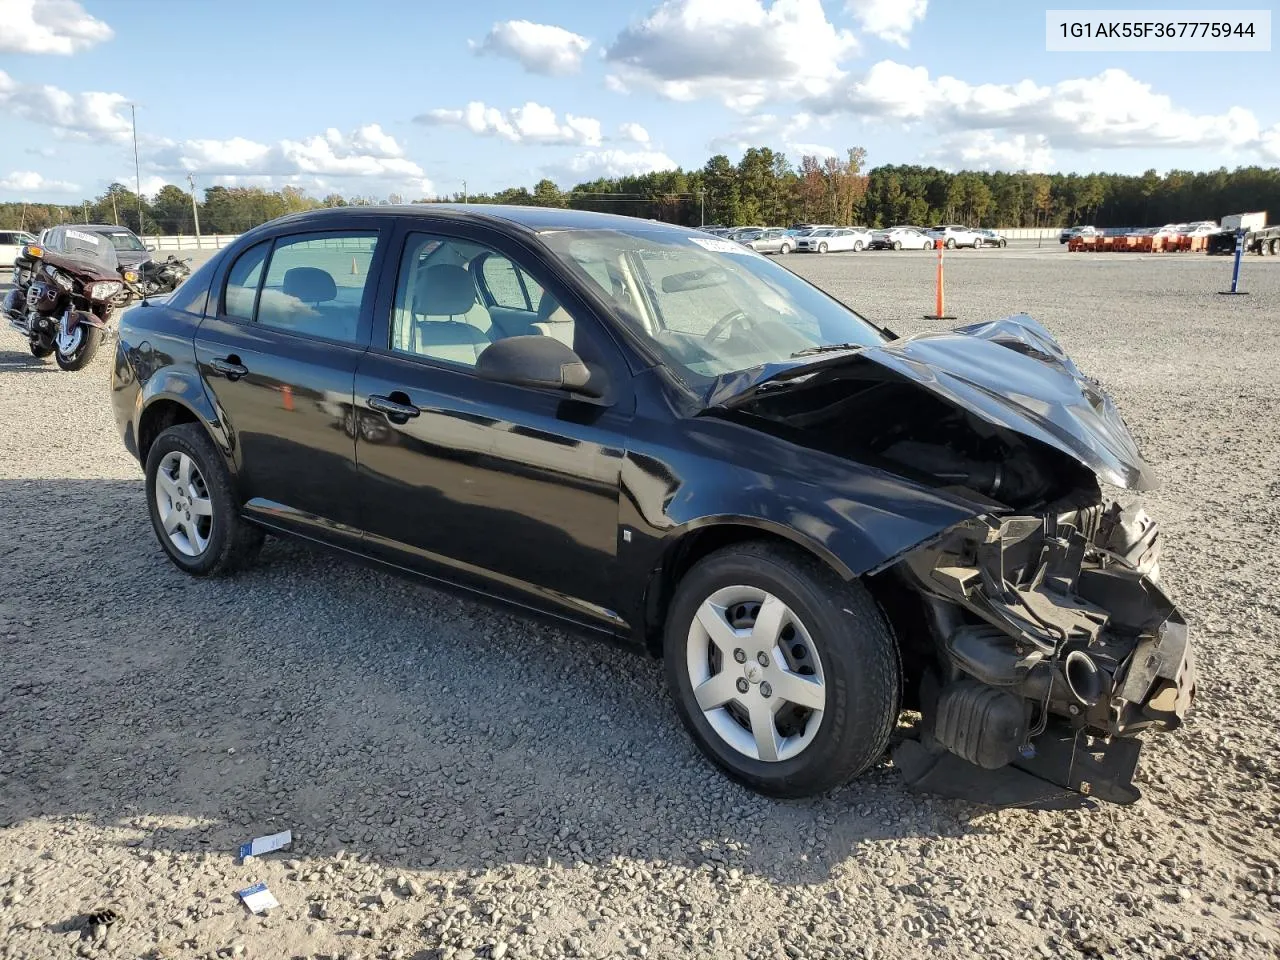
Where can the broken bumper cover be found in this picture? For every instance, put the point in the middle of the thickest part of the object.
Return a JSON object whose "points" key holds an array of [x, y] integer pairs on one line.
{"points": [[1057, 649]]}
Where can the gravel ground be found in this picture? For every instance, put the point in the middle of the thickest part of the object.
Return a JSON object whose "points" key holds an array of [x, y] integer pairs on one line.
{"points": [[462, 784]]}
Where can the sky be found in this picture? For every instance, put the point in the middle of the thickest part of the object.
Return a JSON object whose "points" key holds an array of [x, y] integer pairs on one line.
{"points": [[416, 97]]}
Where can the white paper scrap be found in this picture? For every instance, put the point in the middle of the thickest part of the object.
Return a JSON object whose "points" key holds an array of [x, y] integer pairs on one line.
{"points": [[260, 845], [258, 898], [717, 245]]}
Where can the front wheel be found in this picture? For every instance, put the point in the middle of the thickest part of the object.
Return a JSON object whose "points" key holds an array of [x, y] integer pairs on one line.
{"points": [[41, 349], [75, 350], [951, 243], [786, 676], [194, 509], [977, 244], [1003, 244], [897, 244], [822, 248]]}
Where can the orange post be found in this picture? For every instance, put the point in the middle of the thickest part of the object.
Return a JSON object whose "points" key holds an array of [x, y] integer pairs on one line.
{"points": [[287, 392], [939, 314]]}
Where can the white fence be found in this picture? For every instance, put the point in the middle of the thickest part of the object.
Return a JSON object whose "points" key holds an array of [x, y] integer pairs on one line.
{"points": [[210, 241]]}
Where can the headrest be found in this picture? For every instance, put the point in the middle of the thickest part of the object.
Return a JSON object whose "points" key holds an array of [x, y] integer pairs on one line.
{"points": [[444, 290], [309, 284], [550, 311]]}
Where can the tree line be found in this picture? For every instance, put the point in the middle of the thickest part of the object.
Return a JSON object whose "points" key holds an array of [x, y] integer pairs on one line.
{"points": [[764, 188]]}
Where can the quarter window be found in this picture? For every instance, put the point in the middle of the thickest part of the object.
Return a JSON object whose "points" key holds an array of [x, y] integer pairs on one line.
{"points": [[242, 282]]}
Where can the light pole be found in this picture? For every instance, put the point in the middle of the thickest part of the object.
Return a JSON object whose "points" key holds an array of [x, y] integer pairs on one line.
{"points": [[195, 212], [702, 208], [137, 170], [464, 191]]}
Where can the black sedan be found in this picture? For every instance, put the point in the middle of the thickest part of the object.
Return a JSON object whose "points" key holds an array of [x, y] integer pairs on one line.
{"points": [[663, 438]]}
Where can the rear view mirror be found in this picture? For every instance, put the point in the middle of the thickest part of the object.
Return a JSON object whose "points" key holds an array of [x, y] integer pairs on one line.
{"points": [[536, 361], [694, 280]]}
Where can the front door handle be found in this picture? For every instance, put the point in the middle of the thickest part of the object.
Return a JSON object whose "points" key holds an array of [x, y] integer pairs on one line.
{"points": [[396, 410], [230, 367]]}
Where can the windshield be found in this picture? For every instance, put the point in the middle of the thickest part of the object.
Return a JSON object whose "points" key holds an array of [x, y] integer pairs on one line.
{"points": [[125, 241], [708, 307], [93, 247]]}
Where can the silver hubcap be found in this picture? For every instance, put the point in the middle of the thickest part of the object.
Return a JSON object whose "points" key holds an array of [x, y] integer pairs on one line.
{"points": [[755, 673], [69, 343], [186, 511]]}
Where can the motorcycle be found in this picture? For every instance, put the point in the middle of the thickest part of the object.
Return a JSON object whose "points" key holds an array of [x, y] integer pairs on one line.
{"points": [[162, 276], [62, 300]]}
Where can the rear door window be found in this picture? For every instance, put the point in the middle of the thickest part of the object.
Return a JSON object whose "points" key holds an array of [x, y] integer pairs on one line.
{"points": [[315, 284]]}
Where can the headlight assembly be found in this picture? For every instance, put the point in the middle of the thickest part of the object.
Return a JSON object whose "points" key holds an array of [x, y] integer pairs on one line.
{"points": [[105, 289]]}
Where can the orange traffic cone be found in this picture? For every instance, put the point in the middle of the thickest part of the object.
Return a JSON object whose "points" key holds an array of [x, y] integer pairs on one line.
{"points": [[287, 392], [354, 269]]}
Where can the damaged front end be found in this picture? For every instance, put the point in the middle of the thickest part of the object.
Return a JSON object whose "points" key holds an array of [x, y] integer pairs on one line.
{"points": [[1057, 647], [1036, 639]]}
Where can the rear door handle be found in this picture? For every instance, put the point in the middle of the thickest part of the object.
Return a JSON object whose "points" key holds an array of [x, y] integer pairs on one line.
{"points": [[396, 411], [230, 367]]}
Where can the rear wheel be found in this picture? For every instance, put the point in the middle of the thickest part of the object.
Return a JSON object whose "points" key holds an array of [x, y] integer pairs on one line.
{"points": [[194, 510], [857, 246], [785, 249], [1275, 247], [1003, 244], [977, 244], [786, 676], [951, 243], [897, 244], [76, 349]]}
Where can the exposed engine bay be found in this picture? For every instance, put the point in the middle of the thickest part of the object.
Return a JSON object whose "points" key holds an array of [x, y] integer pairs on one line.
{"points": [[1036, 639]]}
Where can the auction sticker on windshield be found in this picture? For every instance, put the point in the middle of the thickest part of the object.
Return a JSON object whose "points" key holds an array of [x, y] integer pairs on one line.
{"points": [[86, 237], [716, 245]]}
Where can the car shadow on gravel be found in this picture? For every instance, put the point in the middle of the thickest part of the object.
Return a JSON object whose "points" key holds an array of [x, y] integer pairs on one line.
{"points": [[366, 713]]}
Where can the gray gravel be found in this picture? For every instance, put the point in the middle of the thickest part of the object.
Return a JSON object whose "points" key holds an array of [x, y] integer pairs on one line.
{"points": [[463, 784]]}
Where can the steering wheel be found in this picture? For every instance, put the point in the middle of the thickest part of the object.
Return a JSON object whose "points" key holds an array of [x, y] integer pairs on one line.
{"points": [[725, 323]]}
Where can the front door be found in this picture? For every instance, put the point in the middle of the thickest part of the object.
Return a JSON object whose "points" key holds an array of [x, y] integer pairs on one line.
{"points": [[278, 354], [508, 490]]}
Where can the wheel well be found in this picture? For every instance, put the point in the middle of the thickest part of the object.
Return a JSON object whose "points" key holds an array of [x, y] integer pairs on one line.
{"points": [[681, 557], [156, 419]]}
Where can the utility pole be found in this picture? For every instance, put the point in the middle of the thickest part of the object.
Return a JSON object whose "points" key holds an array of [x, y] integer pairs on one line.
{"points": [[702, 208], [137, 170], [115, 214], [464, 191], [195, 212], [86, 210]]}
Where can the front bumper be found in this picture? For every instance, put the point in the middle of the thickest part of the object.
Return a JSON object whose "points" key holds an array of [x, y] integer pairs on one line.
{"points": [[1056, 648]]}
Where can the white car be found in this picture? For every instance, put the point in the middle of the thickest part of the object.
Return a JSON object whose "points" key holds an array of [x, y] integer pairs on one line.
{"points": [[900, 238], [833, 239], [955, 235], [1202, 228], [11, 244]]}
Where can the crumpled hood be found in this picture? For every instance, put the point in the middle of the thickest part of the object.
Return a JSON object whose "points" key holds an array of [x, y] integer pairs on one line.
{"points": [[1010, 372]]}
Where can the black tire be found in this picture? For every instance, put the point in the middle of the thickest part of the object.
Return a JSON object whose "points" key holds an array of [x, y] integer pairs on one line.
{"points": [[1003, 244], [822, 248], [897, 244], [233, 543], [951, 243], [41, 350], [977, 244], [859, 658], [84, 353], [785, 249], [1275, 247], [857, 246]]}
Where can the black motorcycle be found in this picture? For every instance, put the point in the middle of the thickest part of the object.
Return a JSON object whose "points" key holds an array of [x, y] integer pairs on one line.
{"points": [[162, 276]]}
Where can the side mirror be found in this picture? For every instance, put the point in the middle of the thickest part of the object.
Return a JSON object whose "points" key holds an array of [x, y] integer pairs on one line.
{"points": [[536, 361], [151, 247]]}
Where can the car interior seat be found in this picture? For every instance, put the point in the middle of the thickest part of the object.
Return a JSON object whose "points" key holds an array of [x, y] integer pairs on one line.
{"points": [[442, 293], [554, 321]]}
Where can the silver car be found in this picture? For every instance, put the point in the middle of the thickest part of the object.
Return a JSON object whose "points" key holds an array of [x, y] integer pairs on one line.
{"points": [[772, 240]]}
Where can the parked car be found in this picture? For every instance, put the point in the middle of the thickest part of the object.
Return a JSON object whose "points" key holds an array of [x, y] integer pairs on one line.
{"points": [[738, 233], [11, 244], [954, 235], [900, 238], [772, 240], [1202, 228], [666, 439], [834, 239], [130, 250], [989, 238], [1071, 232]]}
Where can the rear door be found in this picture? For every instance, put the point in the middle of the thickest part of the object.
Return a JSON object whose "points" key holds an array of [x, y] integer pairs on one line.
{"points": [[289, 319]]}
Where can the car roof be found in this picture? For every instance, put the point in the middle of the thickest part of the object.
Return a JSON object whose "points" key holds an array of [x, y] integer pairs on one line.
{"points": [[537, 219], [98, 227]]}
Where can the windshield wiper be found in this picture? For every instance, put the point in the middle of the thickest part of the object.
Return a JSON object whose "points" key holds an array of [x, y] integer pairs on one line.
{"points": [[827, 348]]}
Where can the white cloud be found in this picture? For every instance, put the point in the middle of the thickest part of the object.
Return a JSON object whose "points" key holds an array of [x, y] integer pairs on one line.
{"points": [[985, 150], [28, 181], [592, 164], [774, 131], [1269, 144], [531, 123], [634, 132], [92, 116], [366, 152], [890, 20], [48, 26], [742, 53], [539, 47], [1110, 111]]}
